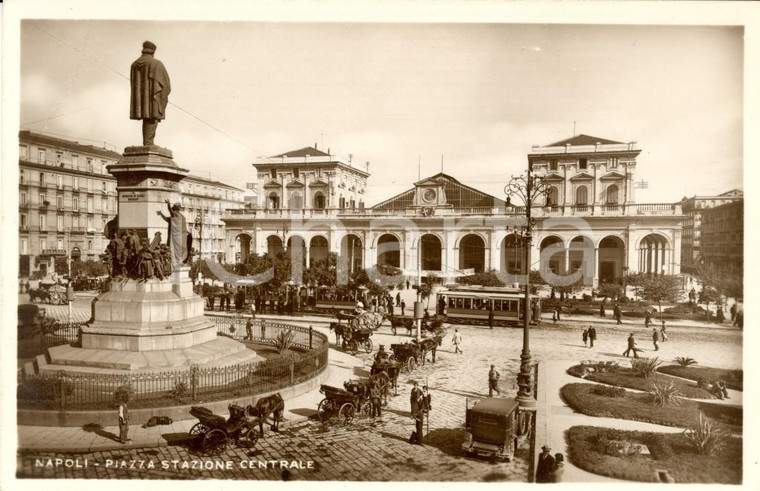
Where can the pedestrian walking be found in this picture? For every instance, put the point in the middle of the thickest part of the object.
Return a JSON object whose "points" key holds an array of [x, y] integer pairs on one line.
{"points": [[591, 336], [419, 418], [617, 314], [545, 465], [490, 318], [719, 316], [253, 310], [602, 312], [407, 284], [415, 398], [557, 316], [585, 337], [493, 381], [663, 334], [655, 338], [249, 329], [559, 468], [398, 299], [647, 318], [123, 423], [403, 306], [739, 321], [426, 400], [457, 340], [631, 347], [732, 311]]}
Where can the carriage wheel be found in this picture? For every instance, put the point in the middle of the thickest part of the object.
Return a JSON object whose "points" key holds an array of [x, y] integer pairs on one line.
{"points": [[368, 346], [411, 364], [325, 410], [353, 347], [196, 434], [366, 409], [215, 442], [347, 413], [248, 436]]}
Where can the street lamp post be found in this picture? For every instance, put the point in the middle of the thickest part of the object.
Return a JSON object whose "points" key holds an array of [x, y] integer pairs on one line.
{"points": [[528, 188]]}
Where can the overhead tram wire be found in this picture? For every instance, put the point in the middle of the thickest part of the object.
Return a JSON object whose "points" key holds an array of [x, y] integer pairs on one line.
{"points": [[83, 53]]}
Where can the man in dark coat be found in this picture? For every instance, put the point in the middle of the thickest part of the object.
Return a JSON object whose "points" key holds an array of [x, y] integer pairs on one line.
{"points": [[490, 318], [493, 381], [150, 88], [617, 314], [655, 338], [545, 465], [591, 336], [631, 346], [415, 397], [419, 418]]}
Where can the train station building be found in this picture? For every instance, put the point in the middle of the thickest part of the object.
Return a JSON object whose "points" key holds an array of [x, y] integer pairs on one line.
{"points": [[590, 220]]}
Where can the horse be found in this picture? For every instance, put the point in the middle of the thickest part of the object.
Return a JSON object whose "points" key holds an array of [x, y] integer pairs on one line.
{"points": [[401, 322], [40, 294], [430, 345], [340, 331], [274, 405]]}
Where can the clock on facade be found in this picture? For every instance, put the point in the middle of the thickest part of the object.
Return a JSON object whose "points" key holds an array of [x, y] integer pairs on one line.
{"points": [[428, 195]]}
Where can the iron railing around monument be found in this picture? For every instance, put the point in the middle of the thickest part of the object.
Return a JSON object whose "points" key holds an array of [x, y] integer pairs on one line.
{"points": [[71, 390]]}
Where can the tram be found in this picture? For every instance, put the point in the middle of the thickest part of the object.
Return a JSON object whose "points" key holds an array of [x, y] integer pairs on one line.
{"points": [[472, 305]]}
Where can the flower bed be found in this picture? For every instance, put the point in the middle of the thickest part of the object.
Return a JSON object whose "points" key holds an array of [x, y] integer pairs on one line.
{"points": [[626, 377], [639, 407], [734, 379], [590, 449]]}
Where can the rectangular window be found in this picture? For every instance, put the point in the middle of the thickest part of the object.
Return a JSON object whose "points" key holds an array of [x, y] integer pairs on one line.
{"points": [[23, 221], [43, 199], [43, 244], [41, 156], [104, 186], [583, 164], [59, 202], [75, 221], [23, 247], [103, 165], [89, 184], [274, 173], [23, 152], [89, 223], [75, 203], [58, 158], [89, 245], [105, 204], [90, 207], [60, 244], [75, 183], [22, 198], [613, 163], [552, 165], [75, 162], [59, 181], [22, 176], [89, 165], [60, 223], [43, 222], [295, 172], [42, 178], [319, 172]]}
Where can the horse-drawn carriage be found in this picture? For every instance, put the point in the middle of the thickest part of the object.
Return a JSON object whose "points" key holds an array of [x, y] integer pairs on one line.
{"points": [[212, 432], [48, 292], [408, 355], [357, 332], [345, 403], [385, 374]]}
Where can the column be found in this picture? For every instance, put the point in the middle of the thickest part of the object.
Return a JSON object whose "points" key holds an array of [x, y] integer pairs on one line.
{"points": [[493, 252], [596, 267], [284, 193], [567, 260], [308, 259], [307, 202]]}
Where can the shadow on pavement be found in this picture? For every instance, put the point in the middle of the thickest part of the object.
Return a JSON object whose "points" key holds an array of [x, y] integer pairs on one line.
{"points": [[574, 345], [447, 440], [98, 430], [306, 412], [385, 434], [175, 438], [361, 372], [463, 394]]}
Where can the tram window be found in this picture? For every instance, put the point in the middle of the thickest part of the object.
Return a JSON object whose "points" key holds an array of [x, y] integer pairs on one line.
{"points": [[468, 303], [477, 303], [452, 302], [487, 302]]}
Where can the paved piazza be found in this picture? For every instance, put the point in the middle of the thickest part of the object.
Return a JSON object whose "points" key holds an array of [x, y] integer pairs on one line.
{"points": [[378, 450]]}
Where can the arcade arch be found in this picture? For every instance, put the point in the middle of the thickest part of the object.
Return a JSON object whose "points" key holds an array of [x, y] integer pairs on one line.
{"points": [[611, 259], [552, 259], [654, 254], [472, 253], [351, 250], [274, 246], [431, 252], [388, 251]]}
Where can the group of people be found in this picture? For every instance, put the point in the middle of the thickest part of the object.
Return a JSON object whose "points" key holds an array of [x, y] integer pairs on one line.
{"points": [[127, 255], [589, 334], [420, 402], [550, 467]]}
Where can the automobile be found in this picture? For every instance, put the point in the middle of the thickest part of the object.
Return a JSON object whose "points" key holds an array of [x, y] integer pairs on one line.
{"points": [[495, 429]]}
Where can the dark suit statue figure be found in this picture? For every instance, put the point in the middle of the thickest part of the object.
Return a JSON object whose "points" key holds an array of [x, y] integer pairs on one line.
{"points": [[150, 90], [180, 241]]}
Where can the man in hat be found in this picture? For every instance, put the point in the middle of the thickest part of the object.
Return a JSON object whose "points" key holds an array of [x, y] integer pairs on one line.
{"points": [[150, 88], [545, 465], [493, 381]]}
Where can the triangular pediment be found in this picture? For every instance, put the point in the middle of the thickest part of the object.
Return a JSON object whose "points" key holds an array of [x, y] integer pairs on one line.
{"points": [[318, 183], [452, 194], [272, 184], [294, 184], [612, 176], [582, 177], [553, 177]]}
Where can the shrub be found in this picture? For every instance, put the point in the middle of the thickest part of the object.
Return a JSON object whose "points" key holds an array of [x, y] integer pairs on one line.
{"points": [[617, 448], [609, 391], [179, 390], [644, 367], [665, 393], [703, 383], [684, 361], [283, 340], [705, 438], [659, 447]]}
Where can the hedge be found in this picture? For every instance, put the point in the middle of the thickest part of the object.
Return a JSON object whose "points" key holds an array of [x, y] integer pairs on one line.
{"points": [[626, 377], [734, 379]]}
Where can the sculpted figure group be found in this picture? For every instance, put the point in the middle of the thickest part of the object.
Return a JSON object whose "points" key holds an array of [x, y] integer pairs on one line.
{"points": [[132, 257]]}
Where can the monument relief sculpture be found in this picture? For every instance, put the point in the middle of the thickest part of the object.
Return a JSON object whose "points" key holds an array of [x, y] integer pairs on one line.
{"points": [[180, 241], [150, 88]]}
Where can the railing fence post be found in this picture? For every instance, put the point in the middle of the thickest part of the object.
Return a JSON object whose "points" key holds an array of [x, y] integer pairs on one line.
{"points": [[193, 380]]}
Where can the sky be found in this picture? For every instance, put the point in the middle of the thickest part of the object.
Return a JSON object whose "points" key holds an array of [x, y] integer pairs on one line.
{"points": [[469, 98]]}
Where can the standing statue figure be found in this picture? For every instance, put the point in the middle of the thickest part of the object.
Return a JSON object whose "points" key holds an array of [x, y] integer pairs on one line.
{"points": [[180, 242], [150, 90]]}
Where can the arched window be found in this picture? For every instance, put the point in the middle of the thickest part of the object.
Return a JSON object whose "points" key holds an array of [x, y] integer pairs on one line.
{"points": [[552, 197], [612, 195], [581, 196], [274, 201], [319, 201]]}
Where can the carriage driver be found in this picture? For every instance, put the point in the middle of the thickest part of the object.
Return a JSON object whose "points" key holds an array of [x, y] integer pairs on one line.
{"points": [[382, 356]]}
